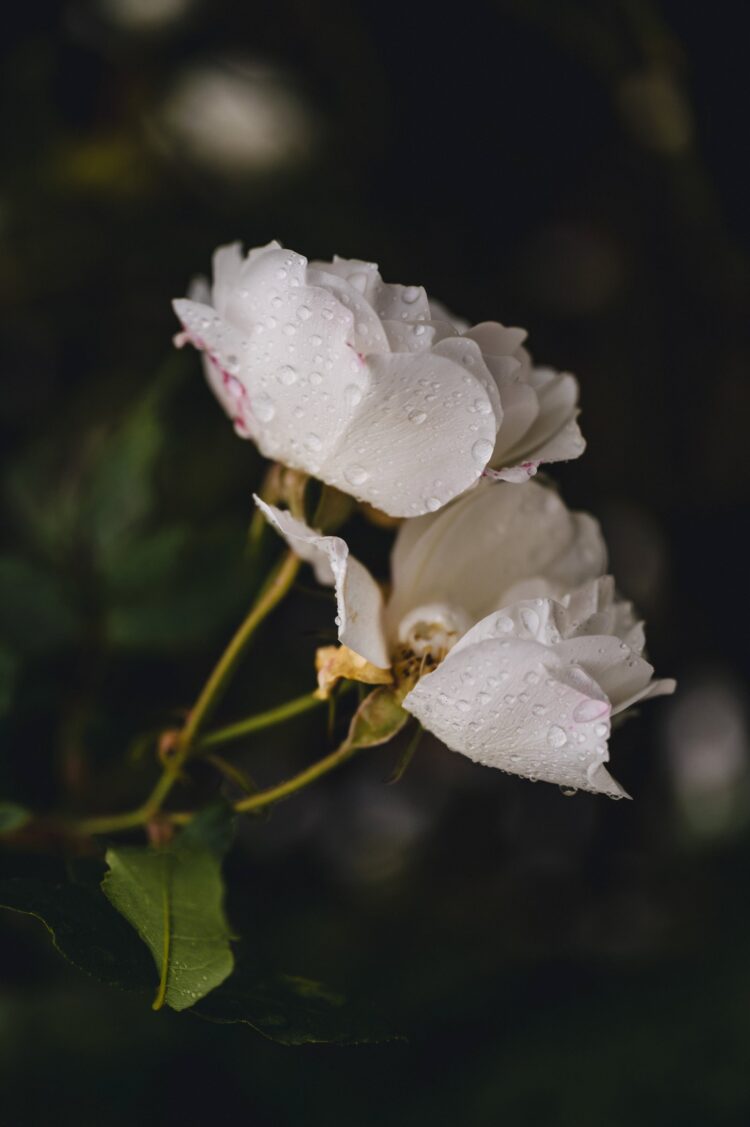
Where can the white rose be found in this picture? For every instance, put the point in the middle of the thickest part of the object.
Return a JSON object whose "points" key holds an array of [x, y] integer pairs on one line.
{"points": [[334, 372], [500, 599], [540, 405]]}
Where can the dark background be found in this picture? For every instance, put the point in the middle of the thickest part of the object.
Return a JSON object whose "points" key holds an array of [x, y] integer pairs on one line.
{"points": [[579, 169]]}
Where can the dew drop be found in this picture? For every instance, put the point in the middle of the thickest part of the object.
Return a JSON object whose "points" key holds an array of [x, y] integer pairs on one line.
{"points": [[482, 406], [304, 313], [353, 395], [417, 417], [316, 379], [314, 441], [356, 475], [263, 407], [433, 504], [410, 294], [556, 736], [482, 451], [287, 375]]}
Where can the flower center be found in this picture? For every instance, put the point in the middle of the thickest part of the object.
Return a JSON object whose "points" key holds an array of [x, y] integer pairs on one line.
{"points": [[433, 630]]}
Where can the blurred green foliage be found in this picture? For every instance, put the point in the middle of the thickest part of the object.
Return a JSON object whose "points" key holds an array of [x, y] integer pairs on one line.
{"points": [[571, 167]]}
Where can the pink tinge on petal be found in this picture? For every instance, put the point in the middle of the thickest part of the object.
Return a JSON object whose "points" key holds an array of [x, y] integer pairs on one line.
{"points": [[360, 355], [234, 387], [516, 475], [589, 709]]}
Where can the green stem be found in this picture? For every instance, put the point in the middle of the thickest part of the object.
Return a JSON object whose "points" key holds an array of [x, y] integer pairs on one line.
{"points": [[277, 587], [110, 823], [274, 591], [261, 720], [297, 782]]}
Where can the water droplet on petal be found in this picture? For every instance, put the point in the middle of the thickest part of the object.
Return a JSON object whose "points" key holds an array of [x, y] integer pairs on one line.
{"points": [[287, 375], [556, 736], [353, 395], [410, 294], [357, 475], [263, 407], [417, 417], [433, 504], [482, 451], [314, 441]]}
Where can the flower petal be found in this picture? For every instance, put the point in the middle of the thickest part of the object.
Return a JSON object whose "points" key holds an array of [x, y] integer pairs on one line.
{"points": [[421, 435], [490, 547], [359, 598], [554, 435], [511, 704]]}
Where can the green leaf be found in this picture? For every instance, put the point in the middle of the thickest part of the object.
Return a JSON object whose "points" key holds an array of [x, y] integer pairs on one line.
{"points": [[289, 1009], [173, 897], [35, 615], [12, 817], [378, 718], [85, 929]]}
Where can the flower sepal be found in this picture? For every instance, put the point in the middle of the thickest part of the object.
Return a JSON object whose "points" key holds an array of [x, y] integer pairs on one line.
{"points": [[379, 718]]}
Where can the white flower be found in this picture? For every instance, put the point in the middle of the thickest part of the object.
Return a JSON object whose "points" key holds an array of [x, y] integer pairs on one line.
{"points": [[334, 372], [540, 405], [500, 598]]}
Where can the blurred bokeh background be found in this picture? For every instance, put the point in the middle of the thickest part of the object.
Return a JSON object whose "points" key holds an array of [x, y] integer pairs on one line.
{"points": [[579, 169]]}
